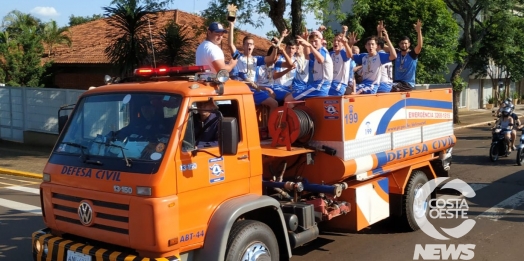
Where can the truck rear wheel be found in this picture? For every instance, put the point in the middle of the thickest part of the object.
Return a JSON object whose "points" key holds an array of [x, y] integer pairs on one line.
{"points": [[251, 240], [415, 202]]}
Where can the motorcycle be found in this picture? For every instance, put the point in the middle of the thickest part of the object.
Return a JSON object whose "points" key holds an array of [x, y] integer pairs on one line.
{"points": [[499, 147], [520, 149]]}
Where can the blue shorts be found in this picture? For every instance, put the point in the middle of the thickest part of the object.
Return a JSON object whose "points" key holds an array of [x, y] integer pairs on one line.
{"points": [[308, 93], [367, 88], [337, 89], [384, 87], [259, 96], [280, 92], [318, 88]]}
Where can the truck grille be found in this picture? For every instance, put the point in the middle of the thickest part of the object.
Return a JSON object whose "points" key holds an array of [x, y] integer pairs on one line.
{"points": [[109, 216]]}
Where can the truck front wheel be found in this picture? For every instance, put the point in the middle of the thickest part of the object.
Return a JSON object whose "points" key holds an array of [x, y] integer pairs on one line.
{"points": [[415, 201], [251, 240]]}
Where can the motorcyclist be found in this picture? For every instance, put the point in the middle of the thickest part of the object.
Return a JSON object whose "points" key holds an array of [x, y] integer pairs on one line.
{"points": [[516, 126], [503, 104], [506, 123]]}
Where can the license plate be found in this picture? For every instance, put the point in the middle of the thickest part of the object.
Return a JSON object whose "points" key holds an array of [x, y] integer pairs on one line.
{"points": [[75, 256]]}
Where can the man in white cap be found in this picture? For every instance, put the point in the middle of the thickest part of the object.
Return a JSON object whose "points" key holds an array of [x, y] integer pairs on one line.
{"points": [[209, 53]]}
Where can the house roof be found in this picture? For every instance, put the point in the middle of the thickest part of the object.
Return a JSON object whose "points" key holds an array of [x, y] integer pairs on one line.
{"points": [[89, 40]]}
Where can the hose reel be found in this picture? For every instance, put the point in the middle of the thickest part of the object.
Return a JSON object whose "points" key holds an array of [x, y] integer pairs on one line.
{"points": [[291, 126]]}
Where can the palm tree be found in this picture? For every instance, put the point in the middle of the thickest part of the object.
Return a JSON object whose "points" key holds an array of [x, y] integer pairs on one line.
{"points": [[128, 22], [175, 45], [15, 21], [55, 35]]}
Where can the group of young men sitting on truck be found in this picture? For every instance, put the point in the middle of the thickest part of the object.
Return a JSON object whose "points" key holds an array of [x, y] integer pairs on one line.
{"points": [[306, 68]]}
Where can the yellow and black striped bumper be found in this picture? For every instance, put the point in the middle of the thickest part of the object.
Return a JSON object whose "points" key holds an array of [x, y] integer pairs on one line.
{"points": [[57, 247]]}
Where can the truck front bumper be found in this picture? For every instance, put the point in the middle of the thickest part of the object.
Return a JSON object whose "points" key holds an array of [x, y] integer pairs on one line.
{"points": [[44, 244]]}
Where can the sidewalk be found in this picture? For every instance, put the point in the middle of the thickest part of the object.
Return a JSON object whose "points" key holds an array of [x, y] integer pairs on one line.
{"points": [[29, 161]]}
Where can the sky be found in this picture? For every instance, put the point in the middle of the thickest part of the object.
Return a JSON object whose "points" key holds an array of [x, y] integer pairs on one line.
{"points": [[60, 10]]}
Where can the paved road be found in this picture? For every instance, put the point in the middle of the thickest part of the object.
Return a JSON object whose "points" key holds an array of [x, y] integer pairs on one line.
{"points": [[497, 208], [20, 215]]}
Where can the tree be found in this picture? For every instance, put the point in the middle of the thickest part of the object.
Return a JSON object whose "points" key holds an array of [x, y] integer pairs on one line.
{"points": [[439, 30], [53, 35], [176, 45], [475, 19], [501, 49], [76, 20], [275, 10], [129, 21], [21, 50], [20, 60], [15, 21]]}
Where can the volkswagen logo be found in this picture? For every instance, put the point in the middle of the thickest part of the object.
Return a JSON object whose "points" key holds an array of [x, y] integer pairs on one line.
{"points": [[85, 213]]}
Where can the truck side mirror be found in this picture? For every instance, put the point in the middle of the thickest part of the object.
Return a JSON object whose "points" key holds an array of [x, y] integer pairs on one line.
{"points": [[62, 120], [229, 136]]}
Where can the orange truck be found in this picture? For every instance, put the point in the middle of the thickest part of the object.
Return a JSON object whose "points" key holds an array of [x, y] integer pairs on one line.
{"points": [[131, 177]]}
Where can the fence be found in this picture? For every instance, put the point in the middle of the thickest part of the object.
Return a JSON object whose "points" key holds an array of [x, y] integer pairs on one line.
{"points": [[31, 109]]}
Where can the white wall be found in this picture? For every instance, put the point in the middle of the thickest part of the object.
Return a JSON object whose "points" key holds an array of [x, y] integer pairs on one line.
{"points": [[32, 109], [473, 95]]}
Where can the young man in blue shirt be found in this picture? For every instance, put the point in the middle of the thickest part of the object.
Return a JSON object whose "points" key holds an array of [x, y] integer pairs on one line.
{"points": [[406, 62]]}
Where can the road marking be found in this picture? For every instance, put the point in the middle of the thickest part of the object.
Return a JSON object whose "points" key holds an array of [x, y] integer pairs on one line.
{"points": [[23, 189], [21, 180], [20, 206], [504, 207], [474, 114]]}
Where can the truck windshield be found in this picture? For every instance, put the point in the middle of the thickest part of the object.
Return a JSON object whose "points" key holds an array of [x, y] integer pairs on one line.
{"points": [[120, 130]]}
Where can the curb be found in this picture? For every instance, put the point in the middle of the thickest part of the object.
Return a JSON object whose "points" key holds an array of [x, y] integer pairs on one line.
{"points": [[480, 123], [472, 125], [21, 173]]}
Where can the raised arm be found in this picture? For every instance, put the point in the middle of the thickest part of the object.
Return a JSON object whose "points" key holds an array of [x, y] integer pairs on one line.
{"points": [[230, 39], [272, 58], [418, 28], [380, 28], [348, 43], [306, 45], [392, 55]]}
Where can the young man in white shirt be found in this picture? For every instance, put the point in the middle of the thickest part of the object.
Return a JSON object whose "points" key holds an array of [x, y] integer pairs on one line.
{"points": [[209, 53], [371, 65], [342, 69], [247, 66], [320, 68]]}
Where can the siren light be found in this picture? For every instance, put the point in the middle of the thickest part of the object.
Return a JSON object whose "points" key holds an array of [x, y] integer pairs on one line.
{"points": [[171, 71]]}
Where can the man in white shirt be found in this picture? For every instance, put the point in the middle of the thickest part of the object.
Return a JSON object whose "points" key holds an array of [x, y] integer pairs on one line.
{"points": [[209, 53], [320, 68], [371, 64]]}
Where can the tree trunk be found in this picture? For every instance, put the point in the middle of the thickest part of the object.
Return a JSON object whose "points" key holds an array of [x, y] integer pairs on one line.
{"points": [[456, 92], [296, 18], [277, 8], [456, 99]]}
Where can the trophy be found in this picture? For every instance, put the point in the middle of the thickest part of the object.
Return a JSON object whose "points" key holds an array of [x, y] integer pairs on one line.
{"points": [[231, 12]]}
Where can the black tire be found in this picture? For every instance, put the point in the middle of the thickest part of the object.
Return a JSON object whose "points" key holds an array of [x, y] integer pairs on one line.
{"points": [[494, 152], [520, 156], [415, 182], [252, 236]]}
